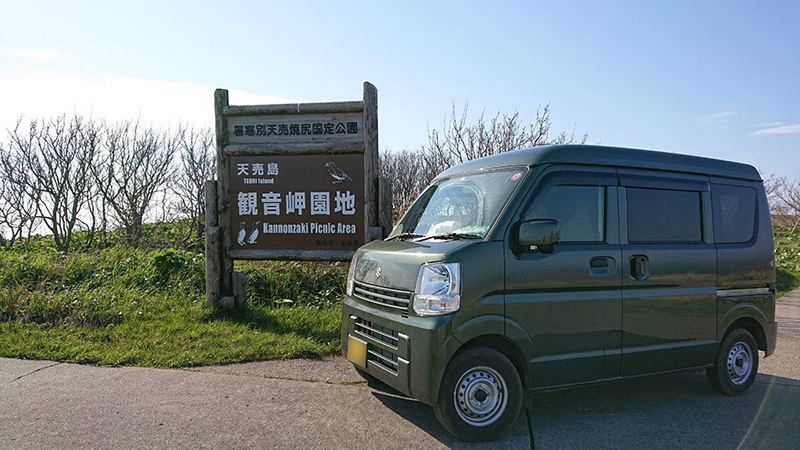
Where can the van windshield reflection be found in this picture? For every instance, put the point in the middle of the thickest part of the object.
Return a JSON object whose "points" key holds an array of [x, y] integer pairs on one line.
{"points": [[459, 207]]}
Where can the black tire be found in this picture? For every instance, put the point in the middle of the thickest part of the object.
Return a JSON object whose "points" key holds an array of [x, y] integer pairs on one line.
{"points": [[496, 377], [736, 365]]}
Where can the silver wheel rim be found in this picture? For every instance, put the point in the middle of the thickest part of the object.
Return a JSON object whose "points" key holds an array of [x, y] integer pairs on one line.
{"points": [[740, 363], [481, 396]]}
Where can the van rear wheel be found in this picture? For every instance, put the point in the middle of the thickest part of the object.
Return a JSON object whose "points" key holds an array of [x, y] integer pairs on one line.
{"points": [[736, 365], [480, 396]]}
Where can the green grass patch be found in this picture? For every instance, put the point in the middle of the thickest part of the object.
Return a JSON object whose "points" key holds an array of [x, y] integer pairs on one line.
{"points": [[787, 260], [127, 306], [118, 305]]}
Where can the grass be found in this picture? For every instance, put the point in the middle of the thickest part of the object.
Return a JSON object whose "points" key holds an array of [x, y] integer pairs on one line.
{"points": [[787, 260], [117, 305], [127, 306]]}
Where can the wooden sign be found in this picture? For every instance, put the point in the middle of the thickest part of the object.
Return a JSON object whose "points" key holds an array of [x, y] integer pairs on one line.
{"points": [[312, 202], [295, 181]]}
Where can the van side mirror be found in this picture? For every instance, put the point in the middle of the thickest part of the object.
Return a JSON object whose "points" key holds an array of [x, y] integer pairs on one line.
{"points": [[542, 233]]}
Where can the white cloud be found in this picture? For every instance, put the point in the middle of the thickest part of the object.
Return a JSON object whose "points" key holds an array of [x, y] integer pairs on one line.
{"points": [[114, 98], [769, 124], [720, 117], [44, 53], [781, 129]]}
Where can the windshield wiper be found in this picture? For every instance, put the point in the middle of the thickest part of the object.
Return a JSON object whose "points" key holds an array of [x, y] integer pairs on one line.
{"points": [[403, 236], [452, 236]]}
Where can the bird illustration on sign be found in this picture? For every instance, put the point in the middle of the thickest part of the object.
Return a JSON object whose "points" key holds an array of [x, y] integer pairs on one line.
{"points": [[336, 173], [243, 237], [242, 234], [253, 233]]}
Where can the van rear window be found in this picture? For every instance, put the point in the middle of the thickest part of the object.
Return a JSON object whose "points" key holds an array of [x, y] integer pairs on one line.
{"points": [[661, 215], [734, 213]]}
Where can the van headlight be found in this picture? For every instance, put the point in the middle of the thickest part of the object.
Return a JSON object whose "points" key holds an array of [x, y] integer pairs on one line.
{"points": [[438, 289], [351, 274]]}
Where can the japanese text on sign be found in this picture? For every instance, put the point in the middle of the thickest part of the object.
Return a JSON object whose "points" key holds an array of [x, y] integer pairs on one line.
{"points": [[297, 202]]}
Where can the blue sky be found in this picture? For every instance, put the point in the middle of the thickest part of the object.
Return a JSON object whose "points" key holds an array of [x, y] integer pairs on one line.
{"points": [[717, 79]]}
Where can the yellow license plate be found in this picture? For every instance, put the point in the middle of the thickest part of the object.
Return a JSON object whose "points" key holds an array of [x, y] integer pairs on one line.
{"points": [[357, 351]]}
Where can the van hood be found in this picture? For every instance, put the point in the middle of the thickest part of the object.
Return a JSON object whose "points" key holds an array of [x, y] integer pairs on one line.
{"points": [[399, 261]]}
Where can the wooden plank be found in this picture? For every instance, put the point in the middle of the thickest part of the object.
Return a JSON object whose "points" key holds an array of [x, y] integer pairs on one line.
{"points": [[294, 108], [370, 156], [223, 189], [291, 129], [240, 289], [287, 255], [211, 203], [374, 233], [213, 265], [385, 206], [332, 148]]}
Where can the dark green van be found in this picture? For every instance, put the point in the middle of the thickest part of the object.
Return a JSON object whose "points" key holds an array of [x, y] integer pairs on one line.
{"points": [[559, 266]]}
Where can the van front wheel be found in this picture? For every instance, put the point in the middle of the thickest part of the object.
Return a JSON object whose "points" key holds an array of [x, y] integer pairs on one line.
{"points": [[736, 365], [480, 396]]}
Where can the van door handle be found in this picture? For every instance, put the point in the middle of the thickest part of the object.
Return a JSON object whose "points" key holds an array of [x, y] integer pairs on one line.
{"points": [[602, 266], [640, 267]]}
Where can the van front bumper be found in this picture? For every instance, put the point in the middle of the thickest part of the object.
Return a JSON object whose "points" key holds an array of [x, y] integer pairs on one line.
{"points": [[407, 352]]}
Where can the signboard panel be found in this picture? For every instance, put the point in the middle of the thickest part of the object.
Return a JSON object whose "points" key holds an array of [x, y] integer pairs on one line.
{"points": [[296, 129], [294, 182], [303, 202]]}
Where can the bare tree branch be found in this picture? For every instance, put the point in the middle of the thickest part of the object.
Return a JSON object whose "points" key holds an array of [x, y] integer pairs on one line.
{"points": [[459, 141], [135, 165], [56, 157]]}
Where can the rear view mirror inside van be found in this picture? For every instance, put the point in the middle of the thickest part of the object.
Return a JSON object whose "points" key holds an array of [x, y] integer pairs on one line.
{"points": [[542, 233]]}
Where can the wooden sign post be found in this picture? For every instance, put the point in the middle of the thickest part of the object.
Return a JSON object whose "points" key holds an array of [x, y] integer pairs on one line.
{"points": [[294, 182]]}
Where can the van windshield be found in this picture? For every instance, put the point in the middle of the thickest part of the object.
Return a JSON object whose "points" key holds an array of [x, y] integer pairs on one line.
{"points": [[461, 206]]}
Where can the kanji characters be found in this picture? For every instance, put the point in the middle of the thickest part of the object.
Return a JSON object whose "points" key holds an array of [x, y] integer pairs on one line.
{"points": [[345, 203], [247, 203], [272, 203], [295, 129], [320, 203], [295, 202]]}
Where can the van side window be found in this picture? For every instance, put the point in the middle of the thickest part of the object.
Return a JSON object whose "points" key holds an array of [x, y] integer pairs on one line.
{"points": [[734, 213], [579, 209], [661, 215]]}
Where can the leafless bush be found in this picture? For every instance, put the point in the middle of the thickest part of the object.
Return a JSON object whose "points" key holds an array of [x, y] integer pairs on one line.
{"points": [[784, 202], [405, 169], [459, 141], [17, 200], [197, 163], [136, 163], [54, 159]]}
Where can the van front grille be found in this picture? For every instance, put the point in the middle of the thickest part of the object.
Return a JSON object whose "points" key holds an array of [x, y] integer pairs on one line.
{"points": [[393, 298], [377, 332], [384, 358]]}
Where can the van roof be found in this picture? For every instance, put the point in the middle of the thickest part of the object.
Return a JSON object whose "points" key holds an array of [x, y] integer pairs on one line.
{"points": [[611, 156]]}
